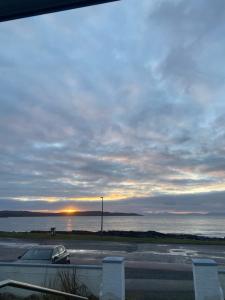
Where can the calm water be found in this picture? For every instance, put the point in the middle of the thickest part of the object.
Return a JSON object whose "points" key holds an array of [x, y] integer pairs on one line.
{"points": [[202, 225]]}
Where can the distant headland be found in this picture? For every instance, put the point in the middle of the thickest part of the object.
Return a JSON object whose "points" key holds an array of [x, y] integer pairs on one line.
{"points": [[10, 213]]}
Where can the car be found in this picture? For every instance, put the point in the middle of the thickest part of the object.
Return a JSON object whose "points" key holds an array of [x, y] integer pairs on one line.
{"points": [[51, 254]]}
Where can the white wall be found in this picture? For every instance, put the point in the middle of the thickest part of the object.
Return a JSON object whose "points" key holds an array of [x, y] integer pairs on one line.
{"points": [[222, 279], [206, 280], [113, 279], [106, 281], [46, 275]]}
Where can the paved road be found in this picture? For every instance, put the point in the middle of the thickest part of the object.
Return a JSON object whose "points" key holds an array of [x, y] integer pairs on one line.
{"points": [[152, 271]]}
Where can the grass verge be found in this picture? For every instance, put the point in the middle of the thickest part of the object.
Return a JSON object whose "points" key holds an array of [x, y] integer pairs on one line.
{"points": [[97, 237]]}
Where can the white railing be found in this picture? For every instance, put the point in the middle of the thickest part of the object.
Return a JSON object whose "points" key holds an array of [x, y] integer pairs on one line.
{"points": [[36, 288]]}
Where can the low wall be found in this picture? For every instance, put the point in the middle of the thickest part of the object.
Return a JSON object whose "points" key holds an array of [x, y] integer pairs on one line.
{"points": [[47, 275], [207, 281], [222, 279]]}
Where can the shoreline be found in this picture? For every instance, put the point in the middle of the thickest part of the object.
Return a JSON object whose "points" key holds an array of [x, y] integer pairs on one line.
{"points": [[25, 214], [152, 237]]}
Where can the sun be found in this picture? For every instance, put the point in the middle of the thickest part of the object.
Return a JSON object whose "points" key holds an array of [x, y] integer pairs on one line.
{"points": [[69, 210]]}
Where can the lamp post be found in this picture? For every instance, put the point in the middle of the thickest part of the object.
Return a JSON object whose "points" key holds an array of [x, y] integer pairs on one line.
{"points": [[102, 217]]}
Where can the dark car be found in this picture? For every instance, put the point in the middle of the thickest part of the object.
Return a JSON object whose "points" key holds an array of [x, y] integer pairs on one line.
{"points": [[46, 255]]}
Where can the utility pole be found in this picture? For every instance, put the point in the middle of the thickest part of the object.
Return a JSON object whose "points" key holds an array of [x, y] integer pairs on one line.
{"points": [[102, 217]]}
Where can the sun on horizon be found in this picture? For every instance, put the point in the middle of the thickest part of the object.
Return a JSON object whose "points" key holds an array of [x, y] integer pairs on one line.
{"points": [[69, 210]]}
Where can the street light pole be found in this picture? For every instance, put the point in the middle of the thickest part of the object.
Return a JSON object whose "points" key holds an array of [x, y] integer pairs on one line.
{"points": [[102, 217]]}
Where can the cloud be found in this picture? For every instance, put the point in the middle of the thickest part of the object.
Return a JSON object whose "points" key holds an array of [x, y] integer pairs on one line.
{"points": [[191, 30], [124, 100], [190, 203]]}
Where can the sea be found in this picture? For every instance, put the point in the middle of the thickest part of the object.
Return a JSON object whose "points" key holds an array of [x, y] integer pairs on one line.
{"points": [[204, 225]]}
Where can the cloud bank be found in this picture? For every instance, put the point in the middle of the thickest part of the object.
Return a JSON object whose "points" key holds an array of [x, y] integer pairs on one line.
{"points": [[124, 100]]}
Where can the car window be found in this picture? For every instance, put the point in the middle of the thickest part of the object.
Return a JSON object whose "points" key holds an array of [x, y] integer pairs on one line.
{"points": [[56, 251], [37, 254], [62, 249]]}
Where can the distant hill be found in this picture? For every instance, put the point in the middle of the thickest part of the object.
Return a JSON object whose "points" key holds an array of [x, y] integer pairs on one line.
{"points": [[10, 213]]}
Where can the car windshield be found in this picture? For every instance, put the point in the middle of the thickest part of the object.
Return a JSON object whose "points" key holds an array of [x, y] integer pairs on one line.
{"points": [[37, 254]]}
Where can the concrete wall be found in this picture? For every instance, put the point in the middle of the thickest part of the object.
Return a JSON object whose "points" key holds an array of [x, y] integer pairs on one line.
{"points": [[113, 279], [222, 279], [207, 284], [106, 281], [47, 275]]}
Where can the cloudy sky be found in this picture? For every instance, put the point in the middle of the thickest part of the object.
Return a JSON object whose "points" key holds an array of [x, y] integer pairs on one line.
{"points": [[124, 100]]}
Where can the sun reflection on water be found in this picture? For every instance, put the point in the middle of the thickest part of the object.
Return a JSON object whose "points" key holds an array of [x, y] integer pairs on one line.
{"points": [[69, 225]]}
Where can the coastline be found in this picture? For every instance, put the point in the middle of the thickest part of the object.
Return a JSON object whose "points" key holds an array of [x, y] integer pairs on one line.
{"points": [[24, 214], [152, 237]]}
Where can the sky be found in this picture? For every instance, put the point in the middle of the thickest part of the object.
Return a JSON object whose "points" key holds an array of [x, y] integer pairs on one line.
{"points": [[124, 100]]}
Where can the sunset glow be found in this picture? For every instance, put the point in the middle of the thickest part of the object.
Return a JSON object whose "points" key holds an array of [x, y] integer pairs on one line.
{"points": [[140, 123], [69, 210]]}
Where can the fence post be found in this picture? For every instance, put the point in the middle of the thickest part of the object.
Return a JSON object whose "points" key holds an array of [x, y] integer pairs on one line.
{"points": [[113, 279], [206, 280]]}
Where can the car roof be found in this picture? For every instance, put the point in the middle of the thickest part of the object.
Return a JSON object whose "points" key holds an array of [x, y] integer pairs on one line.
{"points": [[50, 247]]}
